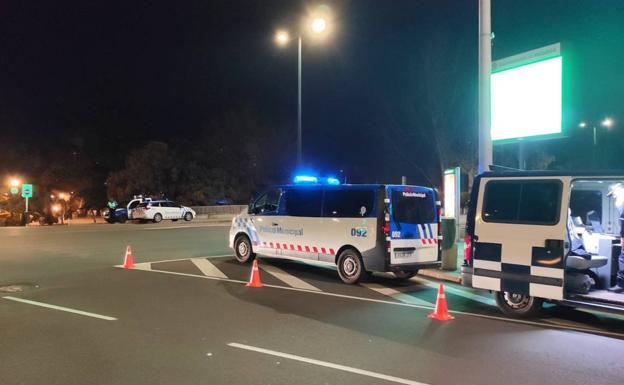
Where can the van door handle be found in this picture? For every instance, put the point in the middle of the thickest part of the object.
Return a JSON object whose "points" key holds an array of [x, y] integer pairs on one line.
{"points": [[274, 224]]}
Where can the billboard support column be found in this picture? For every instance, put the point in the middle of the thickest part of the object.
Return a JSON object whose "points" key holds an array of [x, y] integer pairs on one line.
{"points": [[485, 66]]}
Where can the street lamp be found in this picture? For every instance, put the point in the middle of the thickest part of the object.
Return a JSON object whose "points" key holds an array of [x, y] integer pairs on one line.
{"points": [[14, 182], [318, 25], [606, 123]]}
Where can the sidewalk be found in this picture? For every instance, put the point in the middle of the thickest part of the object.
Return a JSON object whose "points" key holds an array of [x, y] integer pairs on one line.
{"points": [[224, 219], [448, 275]]}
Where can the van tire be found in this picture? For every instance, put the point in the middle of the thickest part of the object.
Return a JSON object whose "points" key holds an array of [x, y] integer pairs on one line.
{"points": [[350, 266], [242, 249], [518, 305], [403, 275]]}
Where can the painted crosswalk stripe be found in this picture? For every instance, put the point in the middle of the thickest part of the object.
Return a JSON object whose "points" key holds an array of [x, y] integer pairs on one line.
{"points": [[207, 268], [453, 290], [390, 292], [65, 309], [326, 364], [287, 278]]}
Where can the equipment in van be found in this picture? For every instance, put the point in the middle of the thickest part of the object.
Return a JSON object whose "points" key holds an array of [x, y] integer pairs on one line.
{"points": [[360, 229], [524, 245]]}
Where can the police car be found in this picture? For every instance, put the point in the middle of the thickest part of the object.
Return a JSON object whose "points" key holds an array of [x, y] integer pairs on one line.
{"points": [[358, 228], [157, 210], [533, 237]]}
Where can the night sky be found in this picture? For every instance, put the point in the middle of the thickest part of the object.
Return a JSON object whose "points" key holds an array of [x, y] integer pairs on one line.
{"points": [[128, 72]]}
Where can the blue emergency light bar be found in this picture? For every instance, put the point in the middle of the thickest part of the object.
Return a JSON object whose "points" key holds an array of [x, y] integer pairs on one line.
{"points": [[305, 179], [308, 179]]}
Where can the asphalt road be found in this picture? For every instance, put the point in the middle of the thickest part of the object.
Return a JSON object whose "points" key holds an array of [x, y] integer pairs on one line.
{"points": [[184, 316]]}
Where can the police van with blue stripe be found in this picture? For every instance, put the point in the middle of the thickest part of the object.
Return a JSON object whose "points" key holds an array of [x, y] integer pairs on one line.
{"points": [[535, 237], [361, 229]]}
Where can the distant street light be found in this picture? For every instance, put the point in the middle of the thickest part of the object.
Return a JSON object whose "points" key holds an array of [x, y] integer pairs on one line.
{"points": [[606, 123], [14, 182], [318, 25]]}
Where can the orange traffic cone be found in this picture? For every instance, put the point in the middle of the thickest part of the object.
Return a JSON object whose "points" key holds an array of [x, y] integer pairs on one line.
{"points": [[128, 259], [441, 310], [254, 279]]}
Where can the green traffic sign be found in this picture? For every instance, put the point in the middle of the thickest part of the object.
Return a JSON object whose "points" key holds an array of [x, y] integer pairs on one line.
{"points": [[27, 191]]}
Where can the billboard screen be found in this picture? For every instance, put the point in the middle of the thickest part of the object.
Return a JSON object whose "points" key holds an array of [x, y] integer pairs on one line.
{"points": [[526, 100]]}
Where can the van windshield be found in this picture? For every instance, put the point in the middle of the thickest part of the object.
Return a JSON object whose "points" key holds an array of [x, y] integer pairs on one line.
{"points": [[413, 207]]}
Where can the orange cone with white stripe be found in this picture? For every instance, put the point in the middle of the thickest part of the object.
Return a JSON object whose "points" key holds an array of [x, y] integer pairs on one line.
{"points": [[441, 310], [128, 259], [254, 279]]}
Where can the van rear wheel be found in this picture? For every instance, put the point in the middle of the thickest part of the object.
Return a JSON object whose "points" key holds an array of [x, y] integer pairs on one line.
{"points": [[350, 266], [518, 305]]}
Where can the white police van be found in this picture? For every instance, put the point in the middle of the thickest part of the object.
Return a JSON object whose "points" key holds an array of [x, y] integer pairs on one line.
{"points": [[358, 228], [545, 236]]}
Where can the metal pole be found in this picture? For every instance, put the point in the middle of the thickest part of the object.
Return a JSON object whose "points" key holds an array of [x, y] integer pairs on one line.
{"points": [[26, 204], [299, 156], [485, 66]]}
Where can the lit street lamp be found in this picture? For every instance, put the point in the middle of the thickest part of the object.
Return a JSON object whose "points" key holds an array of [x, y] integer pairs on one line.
{"points": [[318, 25], [605, 123]]}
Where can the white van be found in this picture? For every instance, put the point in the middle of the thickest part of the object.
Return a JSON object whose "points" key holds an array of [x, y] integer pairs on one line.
{"points": [[360, 228], [544, 236]]}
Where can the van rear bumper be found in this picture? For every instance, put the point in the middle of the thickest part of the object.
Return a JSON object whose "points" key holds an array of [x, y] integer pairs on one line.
{"points": [[415, 266]]}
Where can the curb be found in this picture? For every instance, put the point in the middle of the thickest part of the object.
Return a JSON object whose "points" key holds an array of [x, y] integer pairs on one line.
{"points": [[441, 275]]}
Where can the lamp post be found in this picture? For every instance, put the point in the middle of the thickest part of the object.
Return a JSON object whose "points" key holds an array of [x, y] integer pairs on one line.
{"points": [[605, 123], [317, 25]]}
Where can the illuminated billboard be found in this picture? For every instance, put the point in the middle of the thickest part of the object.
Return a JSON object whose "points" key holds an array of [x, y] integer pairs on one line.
{"points": [[526, 100]]}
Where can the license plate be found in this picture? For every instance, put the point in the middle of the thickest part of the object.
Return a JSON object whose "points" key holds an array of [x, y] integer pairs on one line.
{"points": [[403, 254]]}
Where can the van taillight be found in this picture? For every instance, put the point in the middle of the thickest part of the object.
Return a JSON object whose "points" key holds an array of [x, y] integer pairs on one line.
{"points": [[467, 248], [386, 225]]}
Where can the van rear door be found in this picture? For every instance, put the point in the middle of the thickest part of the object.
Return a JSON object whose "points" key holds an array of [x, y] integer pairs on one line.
{"points": [[520, 236], [413, 225]]}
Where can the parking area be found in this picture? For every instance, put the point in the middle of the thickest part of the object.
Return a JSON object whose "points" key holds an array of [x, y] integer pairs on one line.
{"points": [[184, 315]]}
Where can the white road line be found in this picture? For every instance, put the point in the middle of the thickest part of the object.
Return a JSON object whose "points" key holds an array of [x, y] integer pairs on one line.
{"points": [[177, 227], [390, 292], [207, 268], [41, 304], [326, 364], [287, 278], [459, 292], [142, 266], [478, 315]]}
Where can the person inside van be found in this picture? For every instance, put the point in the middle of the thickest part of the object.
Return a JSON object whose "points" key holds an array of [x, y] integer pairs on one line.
{"points": [[617, 193]]}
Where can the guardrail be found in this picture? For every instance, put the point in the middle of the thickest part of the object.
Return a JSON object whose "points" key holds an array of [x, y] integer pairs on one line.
{"points": [[219, 210]]}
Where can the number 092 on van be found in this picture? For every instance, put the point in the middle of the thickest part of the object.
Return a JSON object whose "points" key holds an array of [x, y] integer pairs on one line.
{"points": [[361, 229]]}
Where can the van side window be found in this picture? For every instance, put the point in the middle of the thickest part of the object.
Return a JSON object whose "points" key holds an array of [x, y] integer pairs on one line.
{"points": [[266, 203], [348, 203], [304, 202], [522, 201]]}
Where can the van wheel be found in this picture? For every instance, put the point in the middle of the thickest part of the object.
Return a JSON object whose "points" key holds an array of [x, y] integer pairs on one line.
{"points": [[350, 266], [518, 305], [157, 218], [243, 250], [403, 275]]}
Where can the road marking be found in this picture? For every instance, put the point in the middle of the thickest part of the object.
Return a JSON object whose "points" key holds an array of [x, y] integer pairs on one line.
{"points": [[288, 279], [390, 292], [478, 315], [66, 309], [207, 267], [177, 227], [147, 266], [326, 364], [459, 292]]}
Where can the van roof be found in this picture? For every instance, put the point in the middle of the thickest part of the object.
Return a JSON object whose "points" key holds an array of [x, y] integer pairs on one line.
{"points": [[519, 173], [356, 186]]}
